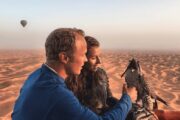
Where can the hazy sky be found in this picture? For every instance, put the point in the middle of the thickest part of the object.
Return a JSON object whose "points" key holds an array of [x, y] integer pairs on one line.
{"points": [[120, 24]]}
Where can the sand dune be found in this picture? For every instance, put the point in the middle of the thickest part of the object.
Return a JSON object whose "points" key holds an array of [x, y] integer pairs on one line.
{"points": [[163, 69]]}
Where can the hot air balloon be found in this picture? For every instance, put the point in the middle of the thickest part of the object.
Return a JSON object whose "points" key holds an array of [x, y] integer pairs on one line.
{"points": [[23, 23]]}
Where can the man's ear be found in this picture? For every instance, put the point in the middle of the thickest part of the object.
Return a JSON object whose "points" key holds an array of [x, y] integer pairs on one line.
{"points": [[63, 58]]}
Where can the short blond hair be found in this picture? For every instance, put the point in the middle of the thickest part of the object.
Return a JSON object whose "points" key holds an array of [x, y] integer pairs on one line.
{"points": [[61, 40]]}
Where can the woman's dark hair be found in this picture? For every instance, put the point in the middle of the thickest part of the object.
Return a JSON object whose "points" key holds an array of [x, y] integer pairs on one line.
{"points": [[91, 42]]}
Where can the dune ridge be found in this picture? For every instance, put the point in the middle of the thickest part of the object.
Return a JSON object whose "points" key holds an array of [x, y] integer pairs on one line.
{"points": [[163, 69]]}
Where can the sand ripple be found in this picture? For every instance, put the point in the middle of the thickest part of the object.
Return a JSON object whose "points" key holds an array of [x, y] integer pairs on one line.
{"points": [[163, 69]]}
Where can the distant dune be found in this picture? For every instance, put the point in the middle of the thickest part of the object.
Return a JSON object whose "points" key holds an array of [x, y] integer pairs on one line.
{"points": [[163, 69]]}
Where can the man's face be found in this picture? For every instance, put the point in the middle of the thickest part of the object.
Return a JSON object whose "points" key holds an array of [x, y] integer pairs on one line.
{"points": [[79, 56], [93, 58]]}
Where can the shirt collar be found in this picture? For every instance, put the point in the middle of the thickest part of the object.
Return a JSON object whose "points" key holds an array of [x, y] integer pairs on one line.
{"points": [[51, 68]]}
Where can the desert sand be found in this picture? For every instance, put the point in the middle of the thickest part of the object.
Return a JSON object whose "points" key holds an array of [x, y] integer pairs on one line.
{"points": [[161, 68]]}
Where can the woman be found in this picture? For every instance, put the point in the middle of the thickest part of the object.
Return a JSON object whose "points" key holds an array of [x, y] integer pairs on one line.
{"points": [[92, 85]]}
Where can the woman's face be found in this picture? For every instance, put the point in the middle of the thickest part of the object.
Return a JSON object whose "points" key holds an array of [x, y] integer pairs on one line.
{"points": [[93, 58]]}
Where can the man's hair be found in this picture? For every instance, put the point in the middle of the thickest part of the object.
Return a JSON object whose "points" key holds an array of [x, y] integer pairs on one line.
{"points": [[91, 42], [61, 40]]}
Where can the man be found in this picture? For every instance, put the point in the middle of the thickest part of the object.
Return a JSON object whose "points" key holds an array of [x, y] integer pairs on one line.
{"points": [[44, 95]]}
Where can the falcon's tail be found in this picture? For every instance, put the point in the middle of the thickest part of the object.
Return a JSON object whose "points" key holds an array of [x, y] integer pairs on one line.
{"points": [[161, 100]]}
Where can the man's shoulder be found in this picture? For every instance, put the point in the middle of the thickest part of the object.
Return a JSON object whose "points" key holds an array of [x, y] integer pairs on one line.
{"points": [[65, 97]]}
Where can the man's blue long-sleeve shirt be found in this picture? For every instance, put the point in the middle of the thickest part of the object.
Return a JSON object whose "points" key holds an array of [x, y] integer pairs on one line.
{"points": [[44, 96]]}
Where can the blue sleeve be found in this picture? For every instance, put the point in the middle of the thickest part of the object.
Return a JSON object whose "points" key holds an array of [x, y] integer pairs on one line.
{"points": [[121, 109], [69, 108]]}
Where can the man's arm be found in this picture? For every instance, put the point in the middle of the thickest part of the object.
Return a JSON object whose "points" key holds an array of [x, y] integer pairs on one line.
{"points": [[69, 107]]}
